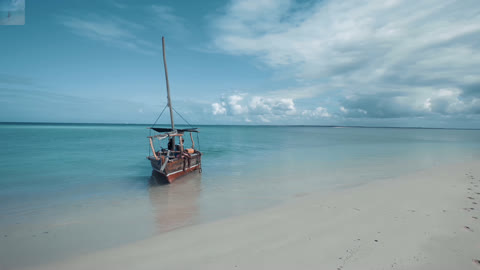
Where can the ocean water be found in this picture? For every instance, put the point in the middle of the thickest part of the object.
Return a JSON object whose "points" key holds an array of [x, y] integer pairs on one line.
{"points": [[68, 189]]}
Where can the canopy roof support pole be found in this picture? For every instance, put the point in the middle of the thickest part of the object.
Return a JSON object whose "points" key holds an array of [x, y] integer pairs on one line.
{"points": [[193, 142], [153, 149]]}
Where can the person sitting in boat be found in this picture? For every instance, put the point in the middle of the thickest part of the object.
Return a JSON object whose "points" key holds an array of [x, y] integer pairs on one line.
{"points": [[170, 143], [177, 149]]}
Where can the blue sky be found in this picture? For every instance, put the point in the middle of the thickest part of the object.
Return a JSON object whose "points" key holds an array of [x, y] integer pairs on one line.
{"points": [[352, 62]]}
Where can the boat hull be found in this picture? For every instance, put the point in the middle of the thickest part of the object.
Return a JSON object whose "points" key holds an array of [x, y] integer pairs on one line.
{"points": [[178, 167]]}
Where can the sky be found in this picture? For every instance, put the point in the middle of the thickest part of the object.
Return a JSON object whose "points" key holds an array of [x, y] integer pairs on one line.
{"points": [[253, 62]]}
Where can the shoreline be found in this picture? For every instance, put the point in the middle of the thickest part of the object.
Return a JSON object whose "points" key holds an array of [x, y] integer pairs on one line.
{"points": [[426, 220]]}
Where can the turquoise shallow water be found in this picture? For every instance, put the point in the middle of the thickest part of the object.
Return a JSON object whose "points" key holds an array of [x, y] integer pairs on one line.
{"points": [[70, 189]]}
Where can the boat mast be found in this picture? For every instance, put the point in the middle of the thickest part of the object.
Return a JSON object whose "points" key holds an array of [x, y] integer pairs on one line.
{"points": [[168, 86], [172, 140]]}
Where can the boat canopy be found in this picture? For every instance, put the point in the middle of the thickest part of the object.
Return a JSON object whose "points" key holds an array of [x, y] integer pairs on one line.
{"points": [[178, 130]]}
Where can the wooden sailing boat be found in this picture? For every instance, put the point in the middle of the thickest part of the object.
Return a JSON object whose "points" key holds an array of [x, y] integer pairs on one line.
{"points": [[175, 160]]}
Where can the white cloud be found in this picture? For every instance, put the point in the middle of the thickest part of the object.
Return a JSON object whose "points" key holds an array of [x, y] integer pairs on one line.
{"points": [[318, 112], [218, 108], [421, 102], [278, 106], [450, 102], [234, 105], [390, 56], [339, 37], [254, 107], [284, 105], [258, 106]]}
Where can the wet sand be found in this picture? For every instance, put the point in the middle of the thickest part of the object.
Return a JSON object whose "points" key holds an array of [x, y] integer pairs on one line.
{"points": [[426, 220]]}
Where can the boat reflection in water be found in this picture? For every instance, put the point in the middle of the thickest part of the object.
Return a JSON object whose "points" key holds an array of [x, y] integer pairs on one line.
{"points": [[174, 205]]}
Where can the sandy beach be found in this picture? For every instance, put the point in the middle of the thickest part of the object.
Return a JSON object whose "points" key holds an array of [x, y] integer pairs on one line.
{"points": [[425, 220]]}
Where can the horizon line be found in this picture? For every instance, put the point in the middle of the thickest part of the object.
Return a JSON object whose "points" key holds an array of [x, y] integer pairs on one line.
{"points": [[248, 125]]}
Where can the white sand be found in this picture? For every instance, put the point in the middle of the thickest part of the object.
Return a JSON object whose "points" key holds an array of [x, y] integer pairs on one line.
{"points": [[412, 222]]}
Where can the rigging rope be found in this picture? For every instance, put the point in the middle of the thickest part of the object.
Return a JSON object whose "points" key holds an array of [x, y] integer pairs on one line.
{"points": [[198, 140], [182, 117], [159, 115], [150, 132]]}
